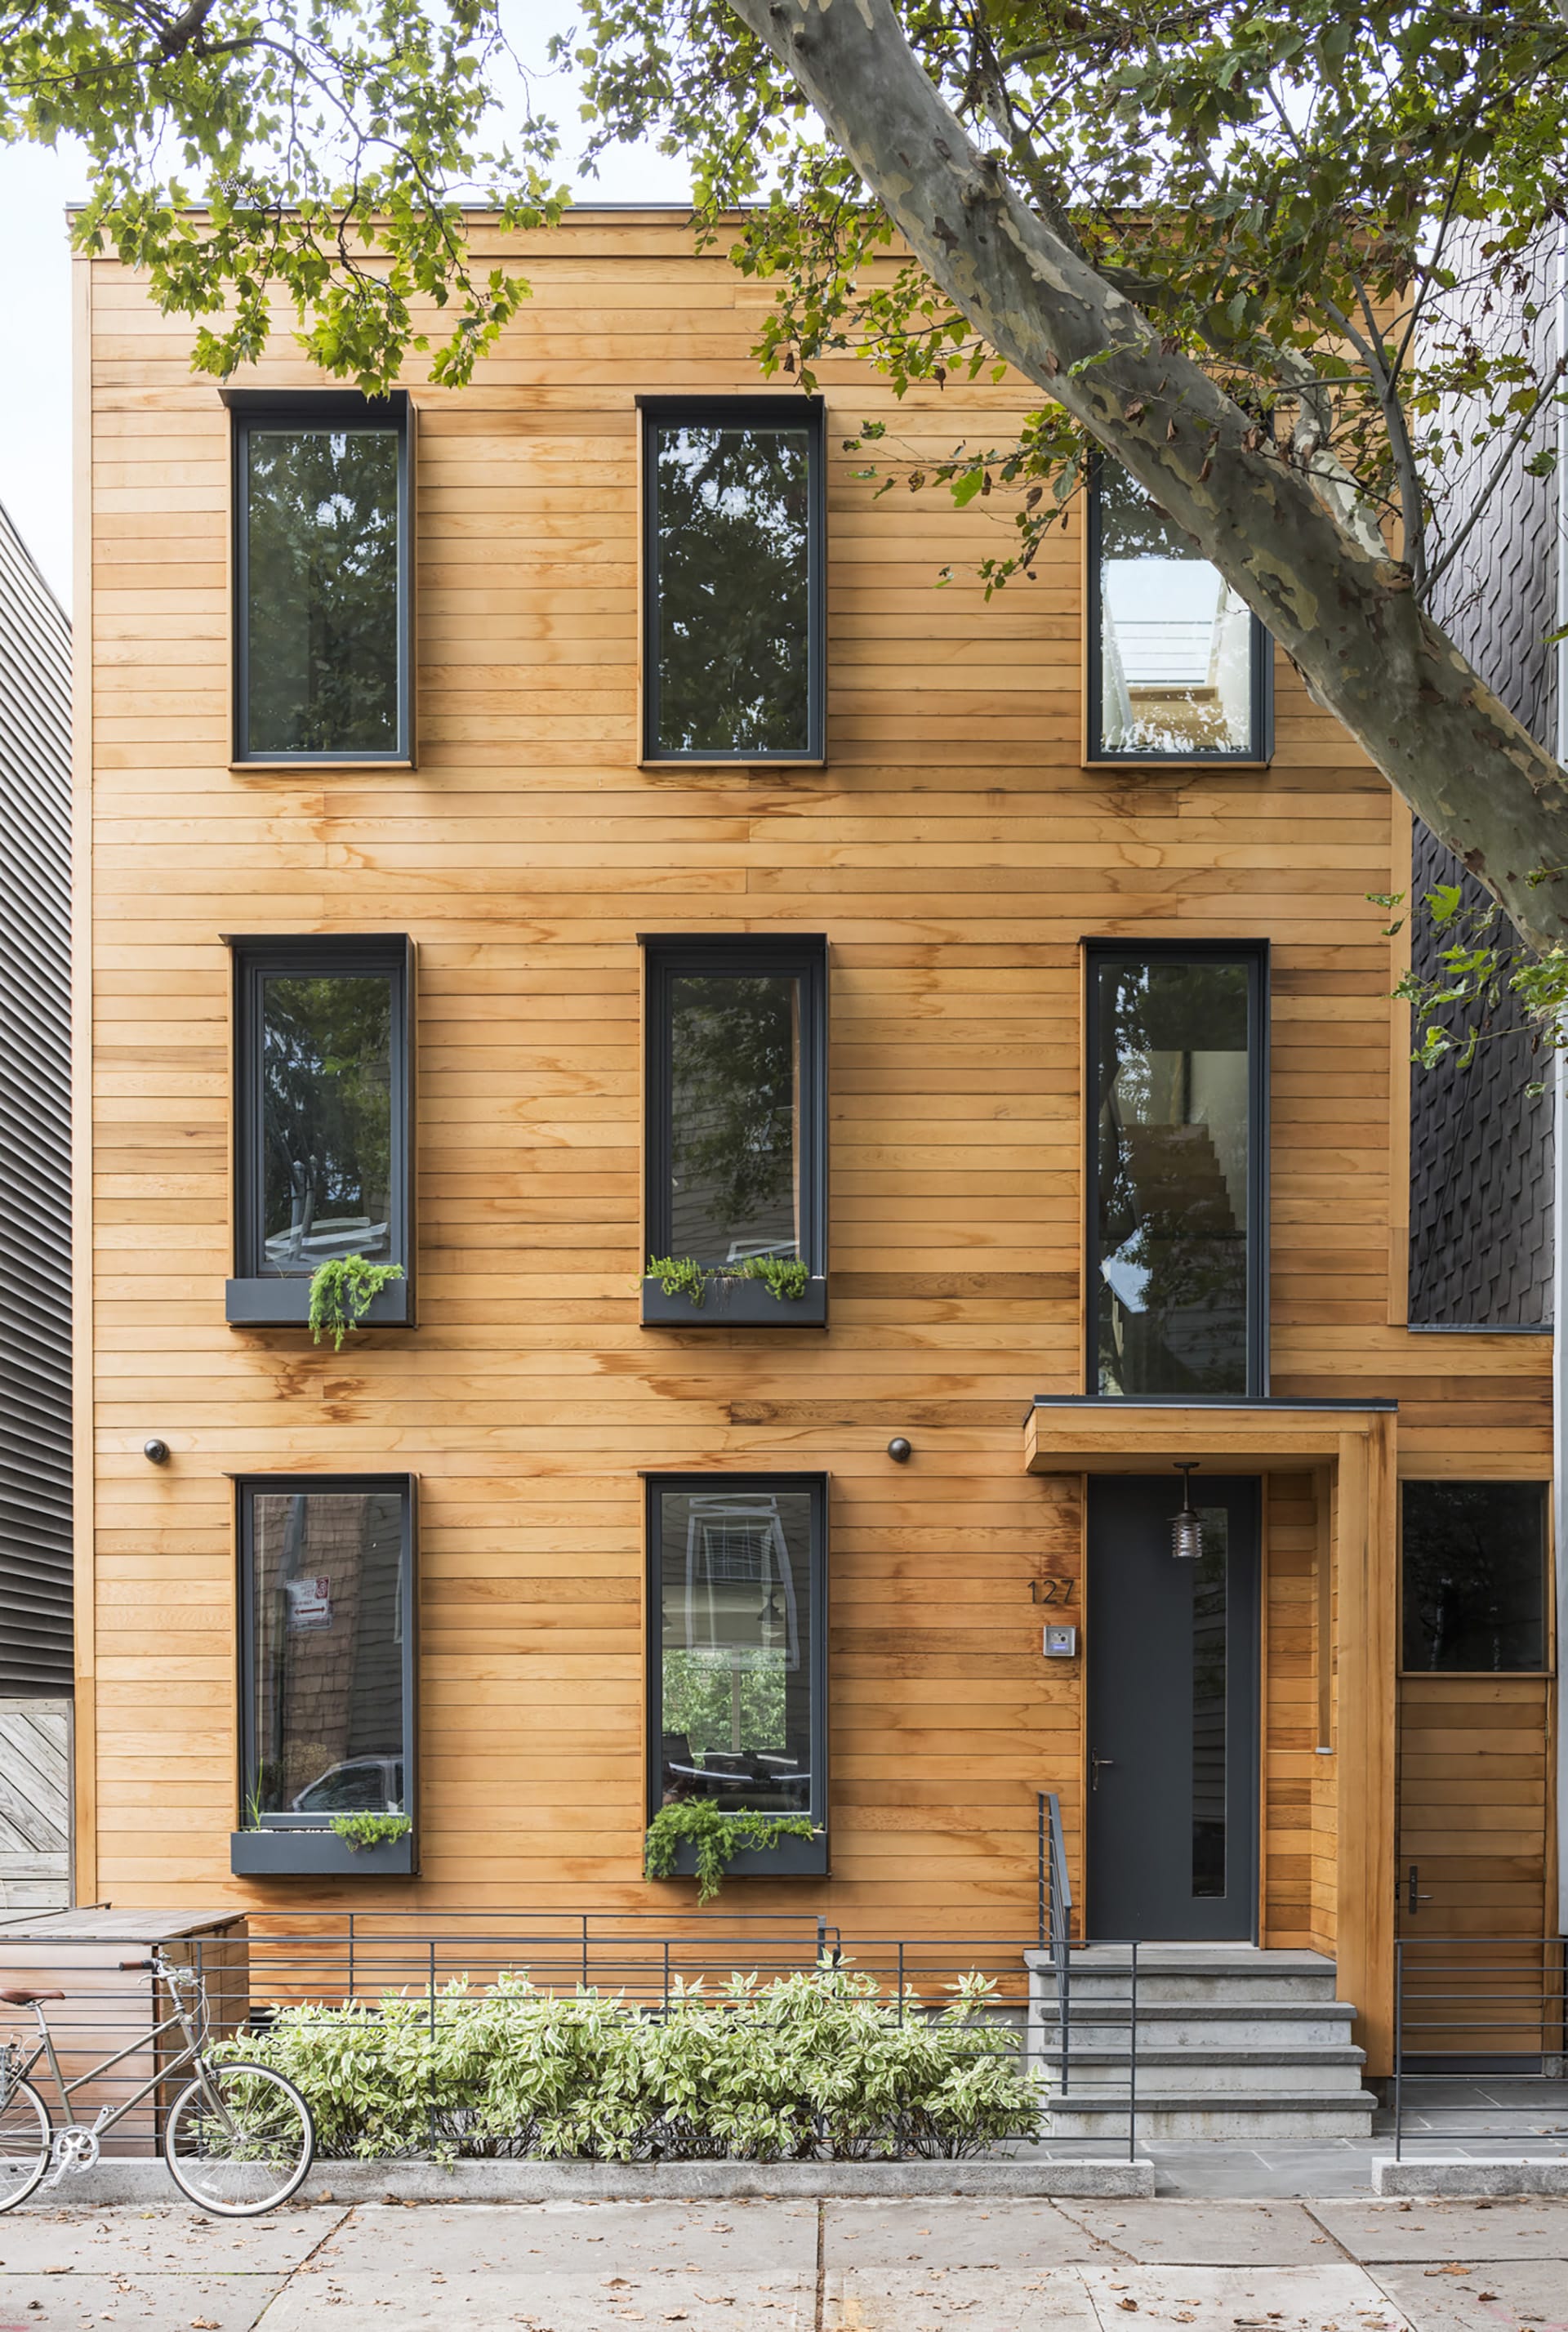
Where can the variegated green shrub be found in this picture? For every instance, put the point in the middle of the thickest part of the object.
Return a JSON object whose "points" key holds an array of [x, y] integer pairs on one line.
{"points": [[818, 2066]]}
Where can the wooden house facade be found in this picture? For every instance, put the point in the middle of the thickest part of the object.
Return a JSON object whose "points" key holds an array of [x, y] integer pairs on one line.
{"points": [[535, 830]]}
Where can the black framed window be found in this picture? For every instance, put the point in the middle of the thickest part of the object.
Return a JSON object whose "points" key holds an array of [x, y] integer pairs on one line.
{"points": [[323, 1118], [734, 583], [736, 1144], [1475, 1558], [737, 1642], [324, 568], [1178, 1213], [329, 1651], [1180, 668]]}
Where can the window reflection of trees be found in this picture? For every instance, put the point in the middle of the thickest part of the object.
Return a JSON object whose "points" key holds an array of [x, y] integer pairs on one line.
{"points": [[734, 1052], [326, 1121], [322, 572], [1171, 1156], [733, 589], [736, 1631], [326, 1578]]}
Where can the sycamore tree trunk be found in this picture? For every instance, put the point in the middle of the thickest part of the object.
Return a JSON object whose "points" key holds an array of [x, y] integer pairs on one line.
{"points": [[1347, 617]]}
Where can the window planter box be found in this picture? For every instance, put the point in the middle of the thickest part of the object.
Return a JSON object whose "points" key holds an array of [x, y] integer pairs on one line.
{"points": [[792, 1858], [319, 1854], [286, 1303], [736, 1303]]}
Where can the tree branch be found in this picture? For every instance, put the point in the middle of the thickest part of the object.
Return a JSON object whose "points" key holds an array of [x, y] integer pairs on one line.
{"points": [[1349, 620]]}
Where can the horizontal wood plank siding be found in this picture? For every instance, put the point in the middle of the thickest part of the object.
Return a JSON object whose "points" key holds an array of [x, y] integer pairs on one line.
{"points": [[955, 852]]}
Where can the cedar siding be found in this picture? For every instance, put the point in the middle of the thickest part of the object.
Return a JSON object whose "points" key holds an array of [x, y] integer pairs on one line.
{"points": [[955, 852]]}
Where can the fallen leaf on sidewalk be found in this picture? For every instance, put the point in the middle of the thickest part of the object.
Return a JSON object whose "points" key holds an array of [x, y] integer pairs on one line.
{"points": [[203, 2323], [1128, 2303]]}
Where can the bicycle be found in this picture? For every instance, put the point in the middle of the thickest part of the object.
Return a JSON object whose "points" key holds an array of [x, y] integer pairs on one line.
{"points": [[238, 2139]]}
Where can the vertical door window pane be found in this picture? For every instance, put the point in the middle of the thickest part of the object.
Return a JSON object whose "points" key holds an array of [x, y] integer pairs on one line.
{"points": [[322, 612], [1172, 1156], [1210, 1632], [1474, 1576], [732, 575], [1176, 642], [326, 1121], [734, 1052], [326, 1624], [733, 1578]]}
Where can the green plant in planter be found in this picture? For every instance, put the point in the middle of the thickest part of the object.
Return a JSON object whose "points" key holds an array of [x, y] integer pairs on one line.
{"points": [[680, 1274], [342, 1291], [253, 1818], [717, 1838], [785, 1278], [358, 1831]]}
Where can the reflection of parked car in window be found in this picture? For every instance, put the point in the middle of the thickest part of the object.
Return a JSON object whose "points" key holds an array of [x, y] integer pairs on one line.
{"points": [[358, 1785]]}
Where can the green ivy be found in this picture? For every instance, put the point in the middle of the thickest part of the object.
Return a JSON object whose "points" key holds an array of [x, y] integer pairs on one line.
{"points": [[361, 1830], [822, 2064], [717, 1838], [342, 1291]]}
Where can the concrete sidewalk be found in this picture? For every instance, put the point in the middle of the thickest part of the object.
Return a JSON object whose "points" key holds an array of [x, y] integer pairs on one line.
{"points": [[922, 2266]]}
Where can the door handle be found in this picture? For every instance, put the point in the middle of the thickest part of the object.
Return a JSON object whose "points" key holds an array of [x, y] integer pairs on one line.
{"points": [[1096, 1762], [1416, 1899]]}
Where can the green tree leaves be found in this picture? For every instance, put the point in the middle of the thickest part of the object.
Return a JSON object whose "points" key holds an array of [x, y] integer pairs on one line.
{"points": [[328, 145]]}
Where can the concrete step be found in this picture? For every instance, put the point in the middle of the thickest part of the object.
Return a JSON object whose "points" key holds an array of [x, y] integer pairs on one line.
{"points": [[1285, 2073], [1241, 2114], [1232, 2042], [1178, 2027]]}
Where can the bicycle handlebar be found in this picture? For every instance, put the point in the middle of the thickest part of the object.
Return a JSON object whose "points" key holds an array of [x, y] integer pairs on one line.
{"points": [[148, 1967]]}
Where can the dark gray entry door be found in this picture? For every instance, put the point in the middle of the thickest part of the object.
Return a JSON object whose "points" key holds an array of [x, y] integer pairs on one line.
{"points": [[1172, 1713]]}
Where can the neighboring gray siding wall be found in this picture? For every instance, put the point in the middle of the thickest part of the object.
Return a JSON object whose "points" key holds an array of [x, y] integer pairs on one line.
{"points": [[35, 1649], [1481, 1148]]}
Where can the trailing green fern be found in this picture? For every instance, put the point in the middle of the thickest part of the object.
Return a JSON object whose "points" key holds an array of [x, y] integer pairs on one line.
{"points": [[680, 1274], [358, 1831], [717, 1838], [342, 1291], [785, 1278]]}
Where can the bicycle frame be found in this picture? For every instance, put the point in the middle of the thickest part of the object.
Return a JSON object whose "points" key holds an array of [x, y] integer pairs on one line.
{"points": [[181, 1982]]}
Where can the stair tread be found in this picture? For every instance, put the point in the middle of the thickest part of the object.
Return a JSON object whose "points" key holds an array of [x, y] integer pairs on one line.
{"points": [[1218, 2011], [1357, 2101], [1256, 2056], [1188, 1959]]}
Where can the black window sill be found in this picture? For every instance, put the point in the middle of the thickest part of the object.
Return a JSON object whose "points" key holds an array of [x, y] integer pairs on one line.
{"points": [[792, 1858], [286, 1303], [736, 1303], [317, 1854]]}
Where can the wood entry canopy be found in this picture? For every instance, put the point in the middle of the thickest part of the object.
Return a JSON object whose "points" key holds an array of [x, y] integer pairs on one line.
{"points": [[1088, 1433], [1353, 1444]]}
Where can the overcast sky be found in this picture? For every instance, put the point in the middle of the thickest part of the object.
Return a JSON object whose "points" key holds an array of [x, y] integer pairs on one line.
{"points": [[35, 292]]}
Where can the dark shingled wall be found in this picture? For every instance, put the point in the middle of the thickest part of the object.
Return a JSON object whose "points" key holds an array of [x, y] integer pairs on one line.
{"points": [[1481, 1148]]}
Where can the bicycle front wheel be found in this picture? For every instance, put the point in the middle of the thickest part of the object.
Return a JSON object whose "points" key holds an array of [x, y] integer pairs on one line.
{"points": [[239, 2140], [24, 2142]]}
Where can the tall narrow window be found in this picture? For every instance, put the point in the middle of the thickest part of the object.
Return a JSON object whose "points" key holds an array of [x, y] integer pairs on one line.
{"points": [[322, 573], [1178, 1213], [327, 1665], [737, 1072], [1474, 1572], [1210, 1671], [323, 1120], [733, 525], [1179, 666], [737, 1650]]}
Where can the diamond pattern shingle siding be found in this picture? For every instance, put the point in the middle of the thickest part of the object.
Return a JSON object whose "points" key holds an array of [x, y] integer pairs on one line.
{"points": [[1481, 1147]]}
